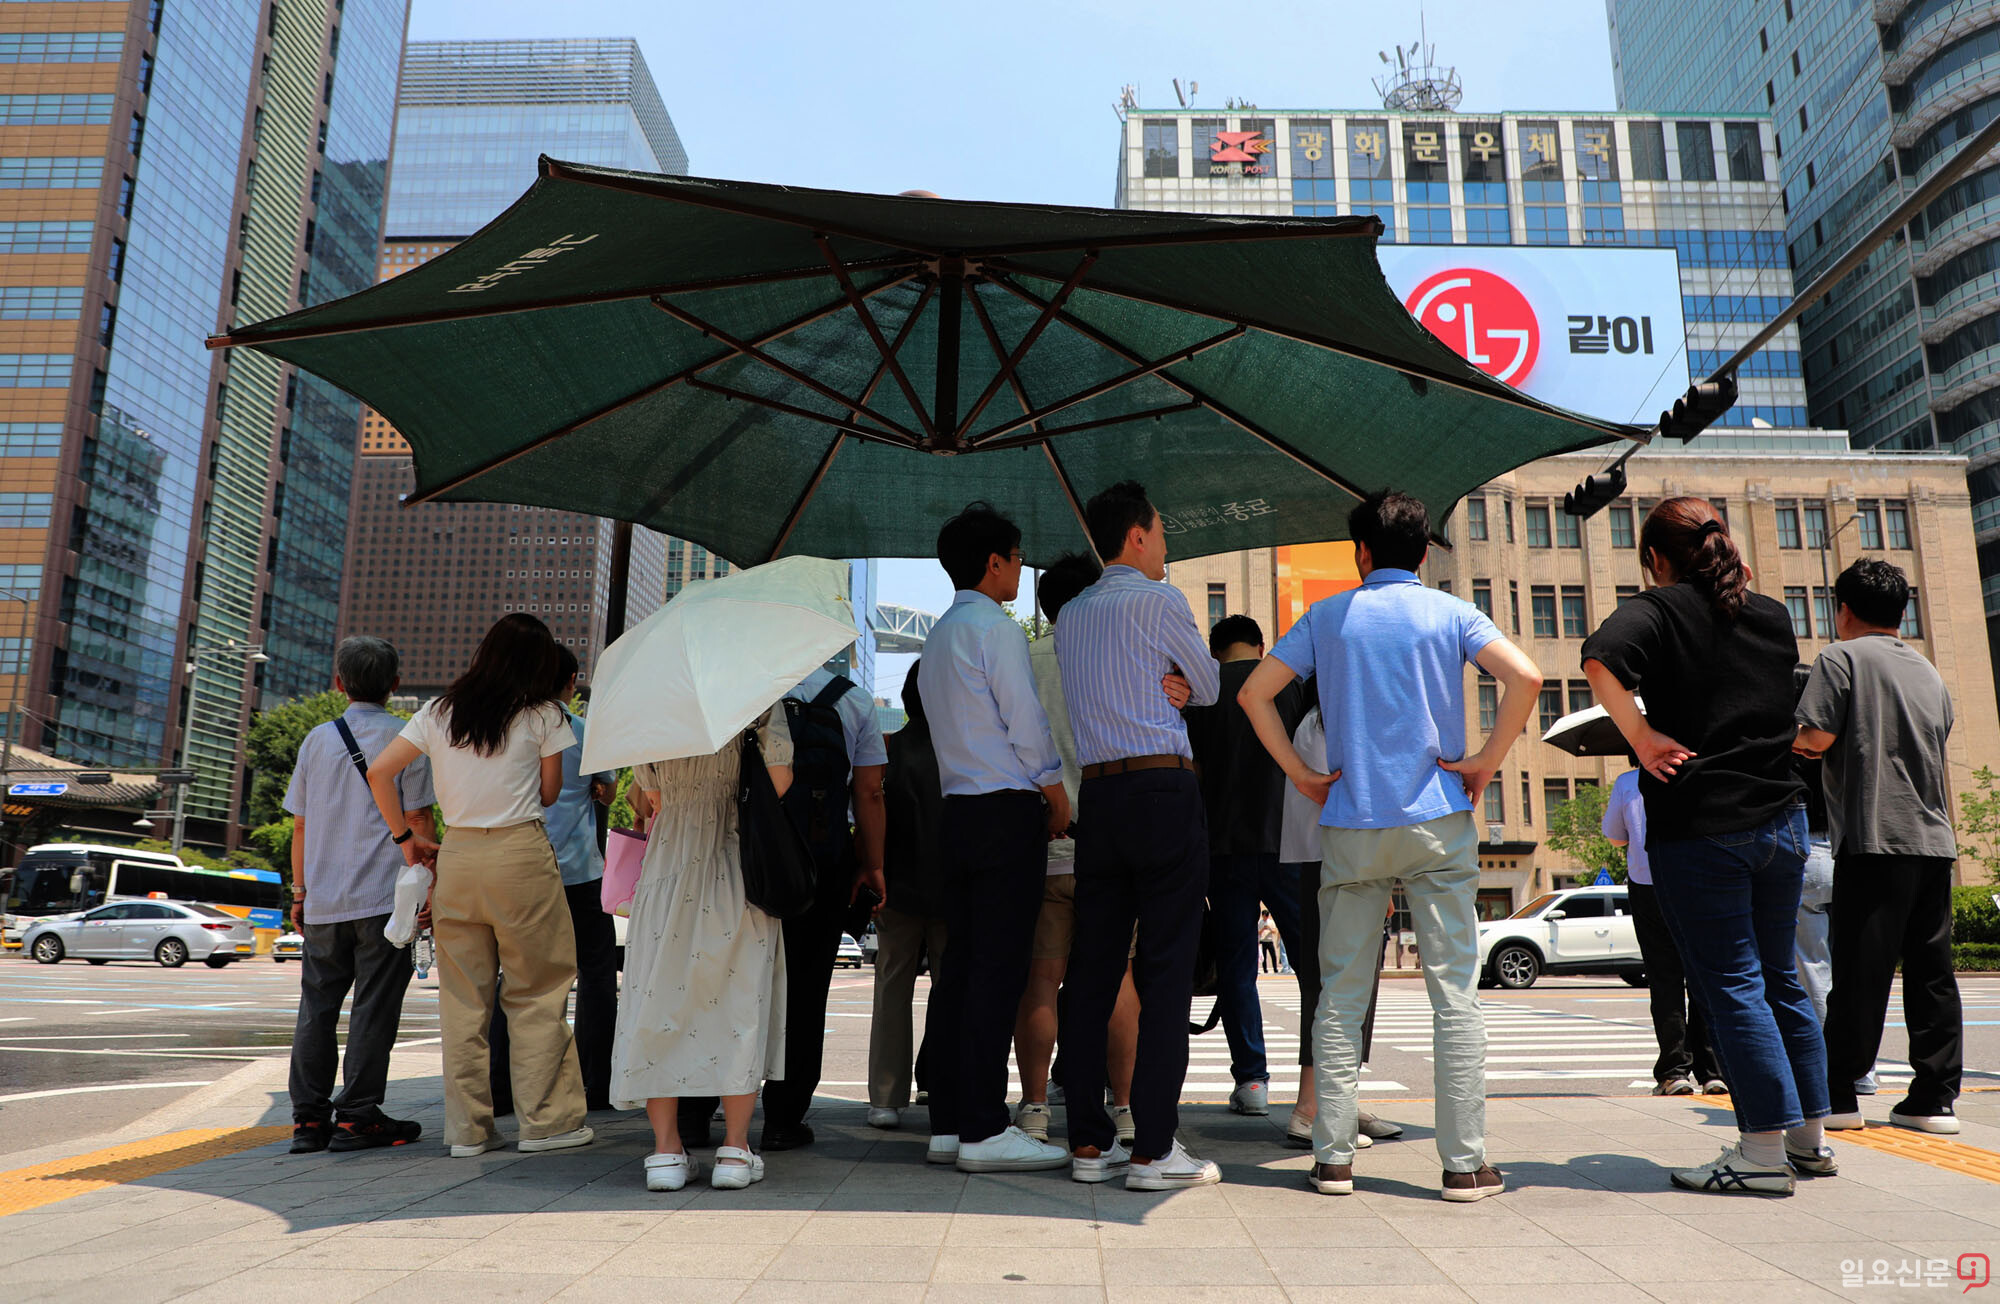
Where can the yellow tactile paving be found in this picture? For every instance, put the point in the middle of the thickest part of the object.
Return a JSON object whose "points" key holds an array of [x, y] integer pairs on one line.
{"points": [[1937, 1151], [23, 1189]]}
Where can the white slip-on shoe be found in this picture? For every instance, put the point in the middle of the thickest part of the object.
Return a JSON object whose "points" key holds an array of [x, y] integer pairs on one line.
{"points": [[1171, 1172], [670, 1172], [1729, 1173], [1089, 1164], [734, 1176], [1865, 1085], [886, 1119], [942, 1150], [1121, 1119], [477, 1148], [1944, 1124], [1011, 1151], [1844, 1121], [1033, 1118], [1252, 1097], [570, 1140]]}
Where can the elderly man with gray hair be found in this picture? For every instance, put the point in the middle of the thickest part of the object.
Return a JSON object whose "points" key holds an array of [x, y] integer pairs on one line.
{"points": [[344, 870]]}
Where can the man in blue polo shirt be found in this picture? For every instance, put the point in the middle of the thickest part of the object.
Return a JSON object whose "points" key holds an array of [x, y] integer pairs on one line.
{"points": [[1389, 659]]}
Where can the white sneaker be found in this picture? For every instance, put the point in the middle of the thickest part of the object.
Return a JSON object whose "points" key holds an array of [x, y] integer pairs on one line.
{"points": [[670, 1172], [570, 1140], [1011, 1151], [478, 1148], [942, 1150], [1945, 1124], [1102, 1166], [1850, 1121], [1729, 1173], [1121, 1118], [886, 1119], [1252, 1097], [1865, 1085], [1033, 1118], [1171, 1172], [736, 1176]]}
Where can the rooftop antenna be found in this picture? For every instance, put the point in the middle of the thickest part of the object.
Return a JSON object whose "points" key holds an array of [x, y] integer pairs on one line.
{"points": [[1177, 93], [1419, 84]]}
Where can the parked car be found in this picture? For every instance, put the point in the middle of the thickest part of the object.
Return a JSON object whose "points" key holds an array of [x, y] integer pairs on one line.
{"points": [[168, 932], [1581, 930], [289, 946], [849, 953]]}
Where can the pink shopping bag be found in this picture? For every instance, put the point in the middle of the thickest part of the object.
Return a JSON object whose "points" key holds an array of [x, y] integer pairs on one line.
{"points": [[624, 855]]}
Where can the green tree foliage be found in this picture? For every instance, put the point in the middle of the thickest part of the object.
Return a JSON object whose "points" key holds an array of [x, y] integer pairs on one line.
{"points": [[273, 749], [1979, 822], [1576, 828]]}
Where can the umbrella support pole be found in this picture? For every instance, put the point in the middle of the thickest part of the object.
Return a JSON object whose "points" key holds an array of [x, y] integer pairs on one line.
{"points": [[951, 304], [620, 580]]}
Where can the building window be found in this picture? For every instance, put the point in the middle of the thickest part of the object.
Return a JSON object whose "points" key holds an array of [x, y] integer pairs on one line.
{"points": [[34, 370], [1649, 151], [1745, 148], [1542, 604], [1162, 144], [1788, 525], [1475, 518], [46, 237], [1550, 705], [40, 303], [1496, 803], [55, 110], [1482, 597], [1913, 624], [1538, 525], [1489, 703], [64, 173], [25, 511], [1579, 695], [1545, 215], [1554, 793], [1815, 518], [1697, 148], [1621, 527], [1514, 605], [1527, 802], [1627, 592], [1869, 520], [1507, 510], [1371, 191], [1823, 611], [1898, 515], [1795, 606], [1569, 530], [1575, 621], [1218, 603]]}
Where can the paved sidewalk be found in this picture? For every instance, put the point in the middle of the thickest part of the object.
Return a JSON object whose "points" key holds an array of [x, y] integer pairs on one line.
{"points": [[1588, 1217]]}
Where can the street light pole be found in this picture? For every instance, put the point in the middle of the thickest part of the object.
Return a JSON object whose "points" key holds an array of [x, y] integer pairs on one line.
{"points": [[1826, 539]]}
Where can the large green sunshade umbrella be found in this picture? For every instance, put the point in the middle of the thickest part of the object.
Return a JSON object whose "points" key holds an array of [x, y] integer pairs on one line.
{"points": [[767, 370]]}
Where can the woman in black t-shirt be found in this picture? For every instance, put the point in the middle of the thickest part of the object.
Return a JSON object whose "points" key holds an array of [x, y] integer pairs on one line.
{"points": [[1726, 826]]}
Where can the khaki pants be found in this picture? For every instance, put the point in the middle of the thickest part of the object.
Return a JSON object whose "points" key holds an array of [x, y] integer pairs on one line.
{"points": [[899, 939], [499, 905]]}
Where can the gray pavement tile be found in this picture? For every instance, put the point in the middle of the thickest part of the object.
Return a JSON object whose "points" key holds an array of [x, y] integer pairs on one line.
{"points": [[1930, 1225], [503, 1252], [1332, 1234], [859, 1196], [852, 1263], [600, 1289], [475, 1287], [1132, 1293], [305, 1286], [70, 1267], [271, 1227], [645, 1258], [1192, 1233], [1769, 1224], [1820, 1264], [1184, 1267], [1519, 1265], [1114, 1202], [1767, 1292], [1442, 1292], [778, 1291], [1590, 1292], [754, 1199], [1646, 1265], [971, 1230], [465, 1226], [726, 1227], [1488, 1222], [358, 1250], [874, 1229], [560, 1226], [1290, 1200], [1024, 1261], [959, 1292], [611, 1196], [1576, 1228], [1360, 1266]]}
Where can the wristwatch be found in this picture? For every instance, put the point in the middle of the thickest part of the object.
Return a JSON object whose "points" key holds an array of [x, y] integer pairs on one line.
{"points": [[405, 836]]}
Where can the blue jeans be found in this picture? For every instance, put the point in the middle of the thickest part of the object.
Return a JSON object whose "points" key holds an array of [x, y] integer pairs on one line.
{"points": [[1732, 901], [1236, 885]]}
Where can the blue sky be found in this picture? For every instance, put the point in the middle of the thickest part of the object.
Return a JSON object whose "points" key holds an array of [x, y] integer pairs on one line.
{"points": [[1014, 101]]}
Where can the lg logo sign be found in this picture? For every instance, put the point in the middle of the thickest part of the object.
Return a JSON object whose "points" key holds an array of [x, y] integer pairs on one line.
{"points": [[1483, 319]]}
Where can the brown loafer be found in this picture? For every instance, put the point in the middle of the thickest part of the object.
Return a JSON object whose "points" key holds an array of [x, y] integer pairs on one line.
{"points": [[1464, 1188], [1332, 1179]]}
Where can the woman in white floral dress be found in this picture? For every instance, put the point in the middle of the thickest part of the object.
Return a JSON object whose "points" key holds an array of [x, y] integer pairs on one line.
{"points": [[703, 1012]]}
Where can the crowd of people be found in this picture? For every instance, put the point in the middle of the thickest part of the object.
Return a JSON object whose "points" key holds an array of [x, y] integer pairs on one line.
{"points": [[1062, 828]]}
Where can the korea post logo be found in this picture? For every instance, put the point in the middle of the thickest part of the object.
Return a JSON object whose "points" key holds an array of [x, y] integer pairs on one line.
{"points": [[1483, 318]]}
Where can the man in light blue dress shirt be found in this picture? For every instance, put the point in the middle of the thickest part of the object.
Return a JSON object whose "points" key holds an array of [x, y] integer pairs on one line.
{"points": [[1142, 852], [1003, 801]]}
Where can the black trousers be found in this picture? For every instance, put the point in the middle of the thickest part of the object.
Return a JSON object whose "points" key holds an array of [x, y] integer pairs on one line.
{"points": [[1306, 966], [1679, 1026], [812, 942], [595, 1016], [1889, 910], [996, 855], [1142, 857], [339, 957]]}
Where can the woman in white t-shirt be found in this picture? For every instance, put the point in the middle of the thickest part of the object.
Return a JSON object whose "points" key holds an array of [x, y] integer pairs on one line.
{"points": [[495, 741]]}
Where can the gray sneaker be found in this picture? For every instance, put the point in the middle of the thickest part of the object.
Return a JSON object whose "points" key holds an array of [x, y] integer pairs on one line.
{"points": [[1729, 1173], [1812, 1163], [1252, 1097]]}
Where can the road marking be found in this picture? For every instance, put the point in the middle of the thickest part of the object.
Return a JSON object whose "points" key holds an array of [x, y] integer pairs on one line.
{"points": [[94, 1036], [116, 1086], [178, 1052]]}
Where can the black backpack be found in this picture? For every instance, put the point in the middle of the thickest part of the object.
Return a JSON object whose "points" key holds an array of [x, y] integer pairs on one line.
{"points": [[818, 797]]}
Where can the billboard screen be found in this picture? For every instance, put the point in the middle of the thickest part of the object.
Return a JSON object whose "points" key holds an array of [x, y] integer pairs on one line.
{"points": [[1598, 331], [1308, 572]]}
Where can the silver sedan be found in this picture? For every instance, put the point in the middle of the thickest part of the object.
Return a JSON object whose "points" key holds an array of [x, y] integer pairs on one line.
{"points": [[168, 932]]}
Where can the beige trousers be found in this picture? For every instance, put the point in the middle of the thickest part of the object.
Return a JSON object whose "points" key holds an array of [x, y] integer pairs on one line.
{"points": [[499, 905], [901, 937]]}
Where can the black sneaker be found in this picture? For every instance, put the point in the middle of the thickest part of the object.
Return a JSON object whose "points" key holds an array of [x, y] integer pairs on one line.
{"points": [[369, 1133], [311, 1136]]}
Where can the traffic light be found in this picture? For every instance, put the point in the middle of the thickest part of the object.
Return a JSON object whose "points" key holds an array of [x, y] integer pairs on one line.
{"points": [[1596, 492], [1693, 411]]}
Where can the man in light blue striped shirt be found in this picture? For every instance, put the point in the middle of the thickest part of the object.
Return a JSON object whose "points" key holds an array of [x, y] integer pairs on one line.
{"points": [[1142, 853]]}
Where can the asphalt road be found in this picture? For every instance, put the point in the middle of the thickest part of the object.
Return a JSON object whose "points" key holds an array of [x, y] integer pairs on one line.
{"points": [[86, 1049]]}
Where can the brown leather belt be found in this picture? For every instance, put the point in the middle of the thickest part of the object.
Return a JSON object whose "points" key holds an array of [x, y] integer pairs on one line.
{"points": [[1130, 764]]}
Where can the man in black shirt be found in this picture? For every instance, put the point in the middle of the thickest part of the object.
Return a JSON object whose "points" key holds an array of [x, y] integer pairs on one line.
{"points": [[1243, 790]]}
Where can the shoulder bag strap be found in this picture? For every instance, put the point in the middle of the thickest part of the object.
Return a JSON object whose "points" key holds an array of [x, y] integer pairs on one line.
{"points": [[353, 748]]}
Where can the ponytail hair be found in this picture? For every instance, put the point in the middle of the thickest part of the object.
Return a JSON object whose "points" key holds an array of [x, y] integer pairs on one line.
{"points": [[1687, 535]]}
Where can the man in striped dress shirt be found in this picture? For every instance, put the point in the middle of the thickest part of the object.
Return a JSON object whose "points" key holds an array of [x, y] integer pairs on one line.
{"points": [[1142, 855]]}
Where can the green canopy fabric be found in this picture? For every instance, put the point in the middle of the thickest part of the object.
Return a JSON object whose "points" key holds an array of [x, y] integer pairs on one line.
{"points": [[766, 370]]}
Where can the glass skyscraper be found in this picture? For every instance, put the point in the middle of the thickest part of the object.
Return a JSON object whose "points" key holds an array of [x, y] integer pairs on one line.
{"points": [[1868, 101]]}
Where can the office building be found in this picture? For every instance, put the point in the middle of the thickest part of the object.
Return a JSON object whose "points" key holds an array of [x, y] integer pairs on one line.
{"points": [[472, 119], [1867, 102], [168, 167]]}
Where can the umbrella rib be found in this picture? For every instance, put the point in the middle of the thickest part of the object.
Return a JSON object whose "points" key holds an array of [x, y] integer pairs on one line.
{"points": [[253, 337], [1047, 432], [1505, 395], [495, 463], [999, 349], [1140, 372], [1346, 228], [874, 329], [749, 349], [1011, 363], [790, 410], [1243, 423], [812, 487], [1070, 497]]}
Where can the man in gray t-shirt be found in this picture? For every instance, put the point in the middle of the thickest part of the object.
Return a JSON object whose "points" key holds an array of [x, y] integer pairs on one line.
{"points": [[1878, 712]]}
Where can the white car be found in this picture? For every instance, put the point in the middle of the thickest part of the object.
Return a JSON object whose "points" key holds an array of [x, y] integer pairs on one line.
{"points": [[288, 946], [849, 953], [1578, 930], [168, 932]]}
